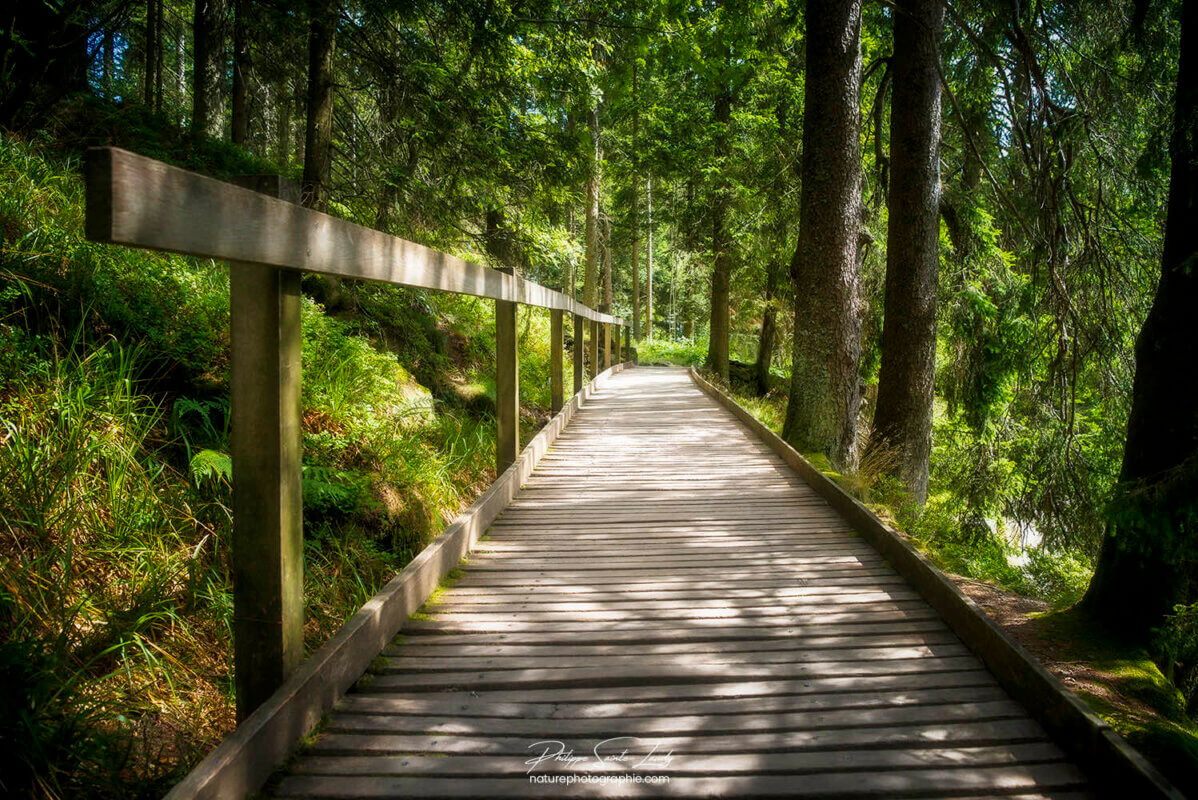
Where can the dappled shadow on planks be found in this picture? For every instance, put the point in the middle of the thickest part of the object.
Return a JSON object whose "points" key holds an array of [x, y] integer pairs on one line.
{"points": [[665, 599]]}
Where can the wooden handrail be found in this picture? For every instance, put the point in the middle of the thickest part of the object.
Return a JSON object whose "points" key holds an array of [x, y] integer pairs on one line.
{"points": [[267, 240], [137, 201]]}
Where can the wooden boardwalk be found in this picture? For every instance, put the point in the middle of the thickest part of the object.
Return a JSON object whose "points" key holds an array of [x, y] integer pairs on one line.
{"points": [[667, 600]]}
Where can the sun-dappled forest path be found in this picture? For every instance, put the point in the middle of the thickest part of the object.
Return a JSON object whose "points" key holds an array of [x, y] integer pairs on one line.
{"points": [[666, 599]]}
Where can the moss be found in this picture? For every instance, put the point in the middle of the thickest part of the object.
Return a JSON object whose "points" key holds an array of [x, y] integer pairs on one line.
{"points": [[1129, 692]]}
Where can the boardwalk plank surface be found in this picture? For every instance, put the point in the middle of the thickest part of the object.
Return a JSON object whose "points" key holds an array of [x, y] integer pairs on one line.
{"points": [[665, 582]]}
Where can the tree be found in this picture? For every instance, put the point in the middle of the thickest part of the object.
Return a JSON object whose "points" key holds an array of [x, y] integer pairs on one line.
{"points": [[721, 245], [1149, 559], [769, 328], [903, 417], [241, 70], [634, 209], [318, 130], [208, 67], [153, 55], [590, 275], [821, 413]]}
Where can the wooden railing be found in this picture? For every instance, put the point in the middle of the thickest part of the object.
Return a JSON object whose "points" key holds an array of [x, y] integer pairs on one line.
{"points": [[268, 241]]}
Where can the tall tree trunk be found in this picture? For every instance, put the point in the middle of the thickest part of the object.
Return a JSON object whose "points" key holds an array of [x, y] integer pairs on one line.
{"points": [[152, 52], [769, 328], [608, 295], [208, 68], [903, 419], [241, 69], [158, 55], [721, 246], [1149, 558], [590, 277], [634, 210], [649, 263], [318, 131], [283, 114], [821, 414], [108, 66], [180, 63]]}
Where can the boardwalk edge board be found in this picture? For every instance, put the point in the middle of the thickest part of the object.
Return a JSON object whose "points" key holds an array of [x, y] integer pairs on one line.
{"points": [[248, 756], [1123, 770]]}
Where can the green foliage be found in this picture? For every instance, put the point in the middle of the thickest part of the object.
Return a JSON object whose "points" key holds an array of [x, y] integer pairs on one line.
{"points": [[681, 353], [1176, 643]]}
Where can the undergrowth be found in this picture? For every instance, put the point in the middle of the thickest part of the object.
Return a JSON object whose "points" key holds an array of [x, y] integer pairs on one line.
{"points": [[115, 522]]}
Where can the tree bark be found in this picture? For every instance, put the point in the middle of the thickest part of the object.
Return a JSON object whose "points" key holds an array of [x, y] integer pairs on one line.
{"points": [[634, 211], [590, 277], [903, 418], [721, 246], [821, 415], [241, 70], [153, 49], [769, 328], [318, 130], [1149, 561], [608, 295], [208, 68]]}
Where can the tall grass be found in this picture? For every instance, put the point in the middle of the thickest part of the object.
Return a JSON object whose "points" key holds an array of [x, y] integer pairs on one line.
{"points": [[115, 527]]}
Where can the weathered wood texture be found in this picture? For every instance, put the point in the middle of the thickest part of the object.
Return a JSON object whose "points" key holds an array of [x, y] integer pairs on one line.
{"points": [[246, 758], [664, 576], [268, 581], [1117, 767], [507, 384], [556, 384], [141, 202]]}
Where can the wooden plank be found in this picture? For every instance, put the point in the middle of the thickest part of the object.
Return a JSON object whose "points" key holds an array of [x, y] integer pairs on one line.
{"points": [[137, 201], [412, 662], [794, 691], [864, 783], [961, 734], [710, 725], [480, 680], [462, 704], [712, 764], [672, 633]]}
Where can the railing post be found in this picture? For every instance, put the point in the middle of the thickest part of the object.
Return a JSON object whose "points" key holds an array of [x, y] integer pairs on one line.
{"points": [[268, 601], [607, 345], [578, 345], [507, 384], [555, 360], [594, 348], [627, 343]]}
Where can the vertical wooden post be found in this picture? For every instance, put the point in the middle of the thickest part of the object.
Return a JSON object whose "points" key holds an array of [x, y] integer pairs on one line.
{"points": [[507, 384], [627, 343], [578, 345], [594, 326], [607, 345], [555, 360], [268, 600]]}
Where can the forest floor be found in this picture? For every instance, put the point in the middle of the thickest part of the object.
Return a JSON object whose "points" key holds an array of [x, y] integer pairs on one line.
{"points": [[1118, 680]]}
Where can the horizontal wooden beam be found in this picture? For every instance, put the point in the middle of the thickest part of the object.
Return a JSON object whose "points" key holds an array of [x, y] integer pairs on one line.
{"points": [[137, 201]]}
